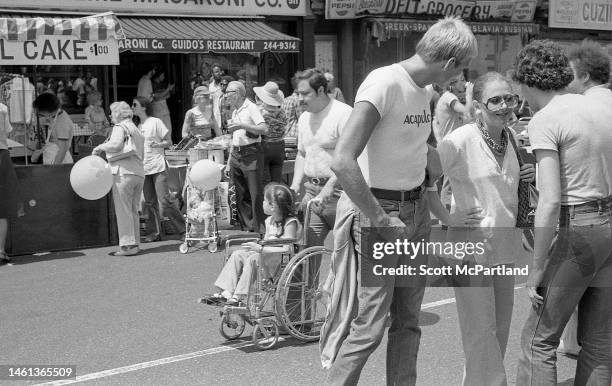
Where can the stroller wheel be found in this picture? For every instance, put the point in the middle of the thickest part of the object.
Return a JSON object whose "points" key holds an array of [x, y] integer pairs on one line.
{"points": [[213, 246], [184, 248]]}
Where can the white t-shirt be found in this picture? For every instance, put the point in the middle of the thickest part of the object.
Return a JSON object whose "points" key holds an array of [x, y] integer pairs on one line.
{"points": [[153, 130], [318, 134], [578, 127], [247, 113], [446, 119], [396, 154]]}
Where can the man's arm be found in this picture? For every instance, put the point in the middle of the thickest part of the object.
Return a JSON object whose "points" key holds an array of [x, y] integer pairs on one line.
{"points": [[298, 172], [546, 217], [353, 140], [63, 145]]}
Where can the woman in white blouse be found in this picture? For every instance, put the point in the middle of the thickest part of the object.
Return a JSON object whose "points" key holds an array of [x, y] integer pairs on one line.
{"points": [[484, 173]]}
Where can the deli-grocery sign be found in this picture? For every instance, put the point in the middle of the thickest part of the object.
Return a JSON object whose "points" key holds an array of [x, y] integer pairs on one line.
{"points": [[59, 50]]}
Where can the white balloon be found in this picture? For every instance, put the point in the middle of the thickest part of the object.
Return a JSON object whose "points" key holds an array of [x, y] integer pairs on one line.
{"points": [[205, 174], [91, 178]]}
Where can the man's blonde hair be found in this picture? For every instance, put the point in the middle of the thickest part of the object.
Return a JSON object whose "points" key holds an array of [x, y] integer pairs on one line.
{"points": [[448, 38]]}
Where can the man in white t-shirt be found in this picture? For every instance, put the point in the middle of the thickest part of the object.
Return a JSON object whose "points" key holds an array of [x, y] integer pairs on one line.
{"points": [[571, 138], [319, 128], [380, 161], [246, 159]]}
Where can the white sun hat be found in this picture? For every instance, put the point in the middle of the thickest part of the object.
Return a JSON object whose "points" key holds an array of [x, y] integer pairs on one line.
{"points": [[269, 94]]}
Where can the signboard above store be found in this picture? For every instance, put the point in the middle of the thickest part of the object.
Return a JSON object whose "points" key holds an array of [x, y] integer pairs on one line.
{"points": [[515, 10], [400, 26], [59, 50], [167, 7], [207, 45], [580, 14]]}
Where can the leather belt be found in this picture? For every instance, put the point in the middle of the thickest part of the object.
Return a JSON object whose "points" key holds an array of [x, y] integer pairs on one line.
{"points": [[599, 206], [397, 195], [318, 180]]}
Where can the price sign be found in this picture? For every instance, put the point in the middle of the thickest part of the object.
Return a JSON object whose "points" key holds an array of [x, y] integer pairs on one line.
{"points": [[59, 50]]}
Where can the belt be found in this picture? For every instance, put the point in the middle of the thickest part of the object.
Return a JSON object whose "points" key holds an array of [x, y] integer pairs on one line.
{"points": [[318, 180], [398, 195], [598, 206], [245, 147]]}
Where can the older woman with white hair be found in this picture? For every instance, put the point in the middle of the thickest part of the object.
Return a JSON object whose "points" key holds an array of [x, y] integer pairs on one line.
{"points": [[333, 91], [127, 167]]}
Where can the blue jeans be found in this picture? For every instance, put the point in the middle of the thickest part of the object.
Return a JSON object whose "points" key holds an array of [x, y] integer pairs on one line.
{"points": [[322, 220], [579, 274], [404, 302]]}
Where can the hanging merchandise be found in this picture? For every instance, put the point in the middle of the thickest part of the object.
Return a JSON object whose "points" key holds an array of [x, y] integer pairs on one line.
{"points": [[20, 100]]}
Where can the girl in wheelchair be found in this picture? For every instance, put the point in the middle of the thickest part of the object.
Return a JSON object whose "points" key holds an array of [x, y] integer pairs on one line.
{"points": [[240, 269]]}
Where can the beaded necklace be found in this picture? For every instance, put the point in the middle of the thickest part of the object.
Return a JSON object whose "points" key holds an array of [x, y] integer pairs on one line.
{"points": [[497, 149]]}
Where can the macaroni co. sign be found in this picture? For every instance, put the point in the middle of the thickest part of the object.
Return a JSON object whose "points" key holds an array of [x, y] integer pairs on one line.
{"points": [[169, 7], [59, 50]]}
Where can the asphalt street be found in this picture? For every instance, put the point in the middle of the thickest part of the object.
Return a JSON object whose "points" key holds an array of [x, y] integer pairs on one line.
{"points": [[135, 321]]}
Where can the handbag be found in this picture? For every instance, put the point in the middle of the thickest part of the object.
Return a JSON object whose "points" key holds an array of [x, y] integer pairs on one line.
{"points": [[129, 148], [527, 195]]}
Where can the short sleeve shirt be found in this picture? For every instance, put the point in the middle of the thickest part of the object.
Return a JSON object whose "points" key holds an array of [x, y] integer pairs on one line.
{"points": [[396, 153], [5, 127], [63, 127], [578, 128], [446, 119], [318, 134], [154, 131], [247, 113]]}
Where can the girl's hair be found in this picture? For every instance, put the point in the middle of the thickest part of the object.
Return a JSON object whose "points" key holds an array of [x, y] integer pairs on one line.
{"points": [[481, 82], [281, 196]]}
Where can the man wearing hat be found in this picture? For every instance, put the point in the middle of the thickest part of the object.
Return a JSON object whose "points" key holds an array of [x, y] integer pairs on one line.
{"points": [[270, 98], [319, 128], [246, 158], [200, 119]]}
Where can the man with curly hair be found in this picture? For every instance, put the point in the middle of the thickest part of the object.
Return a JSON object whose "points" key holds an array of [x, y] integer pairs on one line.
{"points": [[571, 138]]}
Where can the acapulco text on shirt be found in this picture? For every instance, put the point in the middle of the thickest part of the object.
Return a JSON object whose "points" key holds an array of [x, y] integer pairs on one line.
{"points": [[418, 118]]}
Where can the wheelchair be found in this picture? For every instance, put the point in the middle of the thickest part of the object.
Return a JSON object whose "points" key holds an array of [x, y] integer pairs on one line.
{"points": [[294, 300]]}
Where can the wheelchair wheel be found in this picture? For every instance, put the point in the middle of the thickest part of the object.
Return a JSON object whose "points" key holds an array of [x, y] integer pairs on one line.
{"points": [[232, 326], [184, 248], [213, 246], [265, 334], [301, 301]]}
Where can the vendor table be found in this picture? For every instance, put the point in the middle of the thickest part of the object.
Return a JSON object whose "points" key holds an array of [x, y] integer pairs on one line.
{"points": [[56, 218]]}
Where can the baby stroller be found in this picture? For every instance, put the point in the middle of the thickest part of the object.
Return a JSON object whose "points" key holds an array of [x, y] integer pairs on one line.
{"points": [[202, 210]]}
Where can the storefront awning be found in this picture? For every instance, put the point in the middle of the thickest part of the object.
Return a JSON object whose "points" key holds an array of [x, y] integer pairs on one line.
{"points": [[30, 40], [87, 28], [183, 35]]}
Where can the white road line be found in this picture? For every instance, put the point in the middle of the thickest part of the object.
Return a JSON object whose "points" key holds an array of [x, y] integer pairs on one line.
{"points": [[195, 354]]}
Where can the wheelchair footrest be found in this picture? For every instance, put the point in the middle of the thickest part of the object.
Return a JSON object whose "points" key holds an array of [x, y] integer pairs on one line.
{"points": [[239, 310]]}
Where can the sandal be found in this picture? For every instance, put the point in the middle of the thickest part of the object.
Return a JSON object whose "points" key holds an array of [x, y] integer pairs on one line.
{"points": [[213, 300]]}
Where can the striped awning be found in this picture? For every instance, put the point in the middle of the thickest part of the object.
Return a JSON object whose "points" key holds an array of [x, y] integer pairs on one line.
{"points": [[197, 35], [89, 28]]}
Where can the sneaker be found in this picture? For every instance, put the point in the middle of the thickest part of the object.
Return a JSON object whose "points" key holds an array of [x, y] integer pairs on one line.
{"points": [[127, 251], [5, 261]]}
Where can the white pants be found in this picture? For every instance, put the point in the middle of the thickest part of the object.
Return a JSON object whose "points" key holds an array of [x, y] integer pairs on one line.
{"points": [[127, 190], [484, 318]]}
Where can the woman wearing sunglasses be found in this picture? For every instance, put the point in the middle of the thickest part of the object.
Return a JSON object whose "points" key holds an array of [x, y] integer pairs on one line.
{"points": [[200, 120], [484, 174], [155, 189]]}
